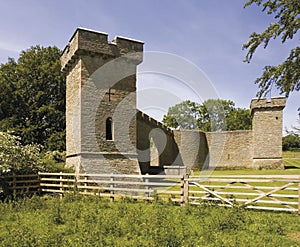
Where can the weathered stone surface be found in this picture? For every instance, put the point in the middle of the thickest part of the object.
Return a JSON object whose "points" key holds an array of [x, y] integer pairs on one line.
{"points": [[163, 139], [230, 149], [267, 132], [101, 85]]}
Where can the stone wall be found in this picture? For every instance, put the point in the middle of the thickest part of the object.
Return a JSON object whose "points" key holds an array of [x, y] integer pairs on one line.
{"points": [[259, 148], [162, 137], [101, 85], [192, 147], [215, 150], [230, 149]]}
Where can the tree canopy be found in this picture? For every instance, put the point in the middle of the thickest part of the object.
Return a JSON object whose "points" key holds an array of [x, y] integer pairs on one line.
{"points": [[291, 142], [285, 76], [32, 97], [183, 115], [211, 115]]}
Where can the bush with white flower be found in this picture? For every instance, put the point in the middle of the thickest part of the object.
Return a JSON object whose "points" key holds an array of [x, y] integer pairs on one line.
{"points": [[16, 158]]}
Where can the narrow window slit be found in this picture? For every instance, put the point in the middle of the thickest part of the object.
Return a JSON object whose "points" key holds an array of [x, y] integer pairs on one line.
{"points": [[109, 129]]}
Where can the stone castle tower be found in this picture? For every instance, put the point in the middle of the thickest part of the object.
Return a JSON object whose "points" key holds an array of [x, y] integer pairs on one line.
{"points": [[107, 134], [101, 102], [267, 132]]}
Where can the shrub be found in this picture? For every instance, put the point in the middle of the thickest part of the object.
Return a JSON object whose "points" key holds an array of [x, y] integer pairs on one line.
{"points": [[54, 161], [26, 159], [16, 158]]}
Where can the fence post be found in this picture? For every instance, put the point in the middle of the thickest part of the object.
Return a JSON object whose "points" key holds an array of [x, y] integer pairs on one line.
{"points": [[14, 184], [85, 184], [112, 191], [77, 182], [186, 189], [39, 188], [147, 194], [61, 185]]}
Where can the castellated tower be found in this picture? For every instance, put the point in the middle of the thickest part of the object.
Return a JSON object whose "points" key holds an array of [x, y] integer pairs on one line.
{"points": [[101, 102], [267, 132]]}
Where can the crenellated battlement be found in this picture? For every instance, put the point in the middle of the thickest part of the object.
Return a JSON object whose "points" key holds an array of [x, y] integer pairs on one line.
{"points": [[267, 132], [85, 41], [264, 104], [146, 118], [106, 133], [100, 101]]}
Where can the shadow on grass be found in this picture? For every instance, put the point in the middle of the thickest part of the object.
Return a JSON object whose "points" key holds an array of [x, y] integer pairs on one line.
{"points": [[291, 167]]}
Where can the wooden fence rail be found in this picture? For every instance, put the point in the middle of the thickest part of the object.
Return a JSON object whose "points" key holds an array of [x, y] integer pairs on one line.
{"points": [[20, 184], [147, 187], [267, 192]]}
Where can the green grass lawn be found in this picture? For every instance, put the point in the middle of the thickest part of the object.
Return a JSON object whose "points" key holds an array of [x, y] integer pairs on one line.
{"points": [[91, 221], [291, 162], [291, 154]]}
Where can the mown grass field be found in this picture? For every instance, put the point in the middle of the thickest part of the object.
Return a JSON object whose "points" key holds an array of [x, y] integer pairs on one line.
{"points": [[291, 160], [91, 221]]}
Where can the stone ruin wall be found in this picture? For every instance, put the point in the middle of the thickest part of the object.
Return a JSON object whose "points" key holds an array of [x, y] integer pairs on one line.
{"points": [[220, 150]]}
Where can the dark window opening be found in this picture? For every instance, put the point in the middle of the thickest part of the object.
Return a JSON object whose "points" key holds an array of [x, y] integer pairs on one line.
{"points": [[109, 129]]}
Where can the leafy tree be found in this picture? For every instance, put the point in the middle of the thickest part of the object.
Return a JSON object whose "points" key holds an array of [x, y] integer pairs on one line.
{"points": [[239, 119], [32, 92], [183, 115], [218, 114], [212, 115], [291, 142], [285, 76]]}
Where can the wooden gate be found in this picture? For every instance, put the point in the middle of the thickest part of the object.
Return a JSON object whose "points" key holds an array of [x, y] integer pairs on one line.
{"points": [[266, 192]]}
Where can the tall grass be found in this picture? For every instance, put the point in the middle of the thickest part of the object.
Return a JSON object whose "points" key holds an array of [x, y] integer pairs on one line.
{"points": [[91, 221]]}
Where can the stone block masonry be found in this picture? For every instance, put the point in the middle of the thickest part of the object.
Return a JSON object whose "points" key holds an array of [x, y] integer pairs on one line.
{"points": [[106, 133], [267, 132], [101, 89]]}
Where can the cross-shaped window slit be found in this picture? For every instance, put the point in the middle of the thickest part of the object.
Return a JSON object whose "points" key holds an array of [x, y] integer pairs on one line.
{"points": [[110, 93]]}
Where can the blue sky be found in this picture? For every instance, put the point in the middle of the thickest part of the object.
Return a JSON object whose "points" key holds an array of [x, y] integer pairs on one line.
{"points": [[208, 33]]}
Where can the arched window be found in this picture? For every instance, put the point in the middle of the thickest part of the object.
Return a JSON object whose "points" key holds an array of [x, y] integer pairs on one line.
{"points": [[109, 129]]}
